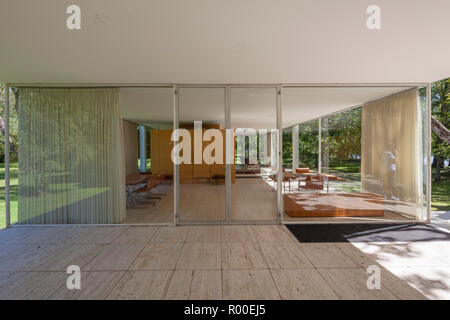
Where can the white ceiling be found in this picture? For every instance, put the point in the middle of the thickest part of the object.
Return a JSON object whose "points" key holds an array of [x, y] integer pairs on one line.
{"points": [[146, 104], [224, 41], [303, 104], [250, 107]]}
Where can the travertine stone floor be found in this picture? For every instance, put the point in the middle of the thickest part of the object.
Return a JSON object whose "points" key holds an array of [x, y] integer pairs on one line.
{"points": [[213, 262], [251, 199]]}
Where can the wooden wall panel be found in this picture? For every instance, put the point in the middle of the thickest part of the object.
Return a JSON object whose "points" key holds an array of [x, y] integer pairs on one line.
{"points": [[161, 148]]}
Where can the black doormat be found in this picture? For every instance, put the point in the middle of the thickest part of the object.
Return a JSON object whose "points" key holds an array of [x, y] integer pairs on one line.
{"points": [[365, 232]]}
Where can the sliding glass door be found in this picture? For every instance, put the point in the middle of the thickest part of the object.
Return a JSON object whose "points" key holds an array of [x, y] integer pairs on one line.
{"points": [[254, 173], [202, 167]]}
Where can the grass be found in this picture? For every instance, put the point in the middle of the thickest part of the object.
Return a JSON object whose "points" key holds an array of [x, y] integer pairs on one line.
{"points": [[46, 200], [13, 194], [440, 195]]}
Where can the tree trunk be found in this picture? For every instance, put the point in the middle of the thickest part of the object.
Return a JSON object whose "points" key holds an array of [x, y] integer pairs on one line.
{"points": [[437, 176], [12, 145], [440, 130]]}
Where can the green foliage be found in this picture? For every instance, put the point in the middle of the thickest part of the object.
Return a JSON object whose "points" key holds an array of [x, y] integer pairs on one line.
{"points": [[341, 136], [287, 148], [440, 109], [308, 144]]}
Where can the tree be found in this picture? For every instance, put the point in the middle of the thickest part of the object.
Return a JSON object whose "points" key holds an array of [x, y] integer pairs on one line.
{"points": [[13, 130], [341, 138], [440, 108]]}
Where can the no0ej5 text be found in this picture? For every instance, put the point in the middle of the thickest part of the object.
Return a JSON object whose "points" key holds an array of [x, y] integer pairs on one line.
{"points": [[233, 309]]}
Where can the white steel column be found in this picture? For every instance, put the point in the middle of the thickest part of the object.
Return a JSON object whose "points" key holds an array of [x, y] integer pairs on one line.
{"points": [[229, 151], [7, 183], [279, 157], [295, 157], [273, 148], [176, 167], [428, 217]]}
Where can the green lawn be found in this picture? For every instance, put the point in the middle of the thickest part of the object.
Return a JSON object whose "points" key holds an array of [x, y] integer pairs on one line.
{"points": [[13, 183], [440, 195], [51, 199]]}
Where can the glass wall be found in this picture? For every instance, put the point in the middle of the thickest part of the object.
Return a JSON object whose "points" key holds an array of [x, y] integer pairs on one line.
{"points": [[373, 158], [70, 159], [287, 148], [341, 149], [348, 154], [308, 145], [152, 198], [253, 179], [148, 126], [392, 154], [202, 172]]}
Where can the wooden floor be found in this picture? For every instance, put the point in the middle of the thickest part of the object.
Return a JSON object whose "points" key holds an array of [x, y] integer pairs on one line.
{"points": [[213, 262]]}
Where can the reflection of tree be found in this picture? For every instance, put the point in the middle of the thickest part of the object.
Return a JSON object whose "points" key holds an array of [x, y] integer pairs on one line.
{"points": [[341, 138], [341, 142], [308, 144], [287, 148], [440, 108]]}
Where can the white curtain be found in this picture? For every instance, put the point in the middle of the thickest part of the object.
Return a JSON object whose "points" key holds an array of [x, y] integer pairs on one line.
{"points": [[391, 152], [71, 159]]}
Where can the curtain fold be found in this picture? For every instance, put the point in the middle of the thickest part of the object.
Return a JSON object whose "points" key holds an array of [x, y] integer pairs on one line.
{"points": [[391, 152], [71, 163]]}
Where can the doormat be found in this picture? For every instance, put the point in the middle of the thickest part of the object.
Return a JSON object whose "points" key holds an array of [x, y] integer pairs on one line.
{"points": [[365, 232]]}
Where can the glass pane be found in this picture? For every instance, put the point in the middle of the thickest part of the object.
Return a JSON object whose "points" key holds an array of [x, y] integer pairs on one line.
{"points": [[308, 145], [202, 173], [372, 154], [70, 167], [148, 126], [253, 121]]}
